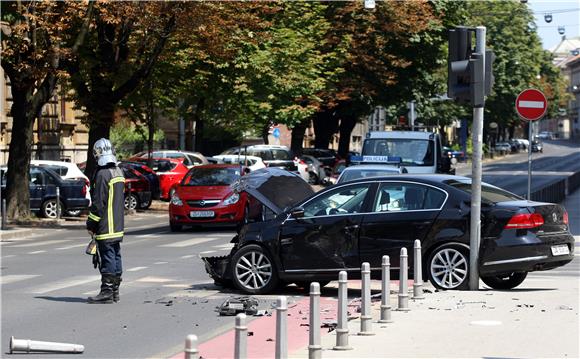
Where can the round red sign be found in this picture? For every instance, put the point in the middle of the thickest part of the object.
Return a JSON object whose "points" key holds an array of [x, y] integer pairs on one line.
{"points": [[531, 105]]}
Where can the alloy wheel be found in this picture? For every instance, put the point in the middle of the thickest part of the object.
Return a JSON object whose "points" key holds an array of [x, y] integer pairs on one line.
{"points": [[449, 268], [50, 209], [130, 202], [253, 270]]}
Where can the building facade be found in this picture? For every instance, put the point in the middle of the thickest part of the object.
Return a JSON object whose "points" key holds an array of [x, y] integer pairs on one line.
{"points": [[58, 131]]}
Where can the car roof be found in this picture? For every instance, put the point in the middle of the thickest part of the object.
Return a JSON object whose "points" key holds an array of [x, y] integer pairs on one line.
{"points": [[423, 177], [217, 165], [400, 135], [372, 167]]}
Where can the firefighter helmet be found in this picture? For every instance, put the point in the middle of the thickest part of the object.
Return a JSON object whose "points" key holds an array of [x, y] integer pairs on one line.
{"points": [[104, 152]]}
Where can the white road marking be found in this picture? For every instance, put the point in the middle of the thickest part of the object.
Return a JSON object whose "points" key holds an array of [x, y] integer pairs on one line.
{"points": [[531, 104], [42, 243], [155, 280], [189, 242], [5, 279], [187, 256], [225, 246], [9, 256], [160, 262], [135, 269], [36, 252], [67, 283], [205, 252], [73, 246]]}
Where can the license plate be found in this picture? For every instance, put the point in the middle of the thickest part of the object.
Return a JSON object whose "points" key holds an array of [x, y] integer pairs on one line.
{"points": [[201, 214], [560, 250]]}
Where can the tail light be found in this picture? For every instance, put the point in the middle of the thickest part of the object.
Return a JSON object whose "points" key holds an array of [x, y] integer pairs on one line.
{"points": [[565, 218], [525, 221], [84, 191]]}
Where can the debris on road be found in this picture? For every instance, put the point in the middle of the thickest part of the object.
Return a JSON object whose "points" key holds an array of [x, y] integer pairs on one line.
{"points": [[564, 307], [235, 305]]}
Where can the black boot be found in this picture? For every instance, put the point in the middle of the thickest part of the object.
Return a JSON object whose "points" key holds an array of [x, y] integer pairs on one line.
{"points": [[116, 285], [106, 294]]}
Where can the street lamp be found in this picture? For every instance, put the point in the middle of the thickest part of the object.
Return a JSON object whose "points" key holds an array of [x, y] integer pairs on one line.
{"points": [[561, 30], [548, 17]]}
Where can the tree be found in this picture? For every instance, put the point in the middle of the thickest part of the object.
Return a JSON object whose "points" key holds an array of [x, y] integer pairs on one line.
{"points": [[34, 45], [124, 43]]}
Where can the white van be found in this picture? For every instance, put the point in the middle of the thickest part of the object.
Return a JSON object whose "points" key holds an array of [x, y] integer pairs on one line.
{"points": [[418, 152]]}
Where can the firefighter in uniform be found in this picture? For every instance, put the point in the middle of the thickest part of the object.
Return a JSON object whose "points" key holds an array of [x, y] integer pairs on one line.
{"points": [[106, 220]]}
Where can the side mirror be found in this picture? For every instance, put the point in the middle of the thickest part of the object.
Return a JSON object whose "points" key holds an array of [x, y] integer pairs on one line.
{"points": [[297, 212]]}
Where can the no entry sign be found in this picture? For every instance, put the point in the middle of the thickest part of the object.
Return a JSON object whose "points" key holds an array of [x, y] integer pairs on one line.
{"points": [[531, 105]]}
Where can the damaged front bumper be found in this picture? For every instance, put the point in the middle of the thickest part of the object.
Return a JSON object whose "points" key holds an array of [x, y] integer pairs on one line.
{"points": [[218, 268]]}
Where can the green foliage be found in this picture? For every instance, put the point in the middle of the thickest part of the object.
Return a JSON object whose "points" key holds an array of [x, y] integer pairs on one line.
{"points": [[127, 140]]}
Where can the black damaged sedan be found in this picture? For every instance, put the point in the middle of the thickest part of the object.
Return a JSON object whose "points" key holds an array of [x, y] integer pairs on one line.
{"points": [[312, 236]]}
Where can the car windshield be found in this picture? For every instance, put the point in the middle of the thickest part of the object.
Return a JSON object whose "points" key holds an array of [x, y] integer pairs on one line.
{"points": [[412, 152], [220, 176], [489, 193], [60, 170]]}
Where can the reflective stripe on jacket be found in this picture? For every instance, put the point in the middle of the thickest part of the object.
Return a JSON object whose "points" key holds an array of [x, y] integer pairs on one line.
{"points": [[107, 212]]}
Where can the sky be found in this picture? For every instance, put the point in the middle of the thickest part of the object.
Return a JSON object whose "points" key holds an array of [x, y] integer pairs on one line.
{"points": [[549, 31]]}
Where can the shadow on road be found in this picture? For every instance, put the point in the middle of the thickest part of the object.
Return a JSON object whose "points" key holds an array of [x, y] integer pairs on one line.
{"points": [[64, 299]]}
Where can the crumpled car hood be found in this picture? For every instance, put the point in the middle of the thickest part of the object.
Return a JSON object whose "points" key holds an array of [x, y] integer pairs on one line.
{"points": [[274, 187]]}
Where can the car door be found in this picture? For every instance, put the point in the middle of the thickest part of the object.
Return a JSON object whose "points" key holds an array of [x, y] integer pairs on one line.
{"points": [[401, 212], [37, 188], [326, 238]]}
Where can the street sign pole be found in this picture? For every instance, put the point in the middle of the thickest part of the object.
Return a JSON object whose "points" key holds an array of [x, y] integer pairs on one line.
{"points": [[529, 160], [531, 105], [475, 222]]}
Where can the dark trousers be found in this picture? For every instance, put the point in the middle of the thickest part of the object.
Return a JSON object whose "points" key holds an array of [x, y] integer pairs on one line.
{"points": [[110, 254]]}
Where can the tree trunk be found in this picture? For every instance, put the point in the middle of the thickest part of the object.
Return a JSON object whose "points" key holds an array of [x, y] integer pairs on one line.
{"points": [[296, 143], [199, 125], [100, 127], [150, 138], [325, 125], [347, 124], [20, 151]]}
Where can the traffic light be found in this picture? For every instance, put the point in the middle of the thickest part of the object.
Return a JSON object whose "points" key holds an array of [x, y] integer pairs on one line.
{"points": [[469, 79], [458, 64]]}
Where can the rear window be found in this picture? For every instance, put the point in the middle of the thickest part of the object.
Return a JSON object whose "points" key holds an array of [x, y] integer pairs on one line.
{"points": [[281, 155], [60, 170], [223, 176], [489, 194]]}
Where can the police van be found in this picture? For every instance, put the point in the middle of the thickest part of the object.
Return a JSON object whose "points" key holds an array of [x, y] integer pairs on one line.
{"points": [[418, 152]]}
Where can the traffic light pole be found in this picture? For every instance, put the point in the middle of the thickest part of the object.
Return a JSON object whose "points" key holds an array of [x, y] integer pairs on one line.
{"points": [[475, 223]]}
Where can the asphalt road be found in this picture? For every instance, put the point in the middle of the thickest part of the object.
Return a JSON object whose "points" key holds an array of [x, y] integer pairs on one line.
{"points": [[559, 159], [166, 293]]}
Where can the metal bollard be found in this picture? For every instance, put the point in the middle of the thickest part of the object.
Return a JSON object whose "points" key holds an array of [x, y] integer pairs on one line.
{"points": [[3, 213], [314, 347], [281, 328], [365, 313], [241, 341], [191, 351], [57, 203], [417, 272], [386, 291], [27, 345], [403, 285], [342, 320]]}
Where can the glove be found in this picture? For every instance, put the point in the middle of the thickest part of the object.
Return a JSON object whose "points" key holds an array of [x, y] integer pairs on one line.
{"points": [[96, 261]]}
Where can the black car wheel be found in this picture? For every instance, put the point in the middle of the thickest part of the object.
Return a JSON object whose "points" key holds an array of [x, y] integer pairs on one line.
{"points": [[448, 267], [146, 204], [49, 208], [508, 281], [253, 270], [312, 178], [131, 201], [175, 227]]}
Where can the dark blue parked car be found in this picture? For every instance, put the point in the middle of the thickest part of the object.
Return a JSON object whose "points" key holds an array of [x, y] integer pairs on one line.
{"points": [[43, 184]]}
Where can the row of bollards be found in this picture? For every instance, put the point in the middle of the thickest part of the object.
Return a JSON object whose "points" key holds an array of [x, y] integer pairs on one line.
{"points": [[342, 331]]}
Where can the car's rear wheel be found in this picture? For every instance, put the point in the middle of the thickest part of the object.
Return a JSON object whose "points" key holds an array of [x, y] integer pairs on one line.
{"points": [[146, 204], [131, 201], [49, 208], [175, 227], [448, 267], [253, 270], [312, 178], [508, 281]]}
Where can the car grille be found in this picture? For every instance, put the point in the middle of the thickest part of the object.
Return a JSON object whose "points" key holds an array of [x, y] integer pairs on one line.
{"points": [[203, 203]]}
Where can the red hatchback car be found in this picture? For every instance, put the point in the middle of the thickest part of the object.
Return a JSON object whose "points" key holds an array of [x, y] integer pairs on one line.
{"points": [[204, 197], [170, 171]]}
